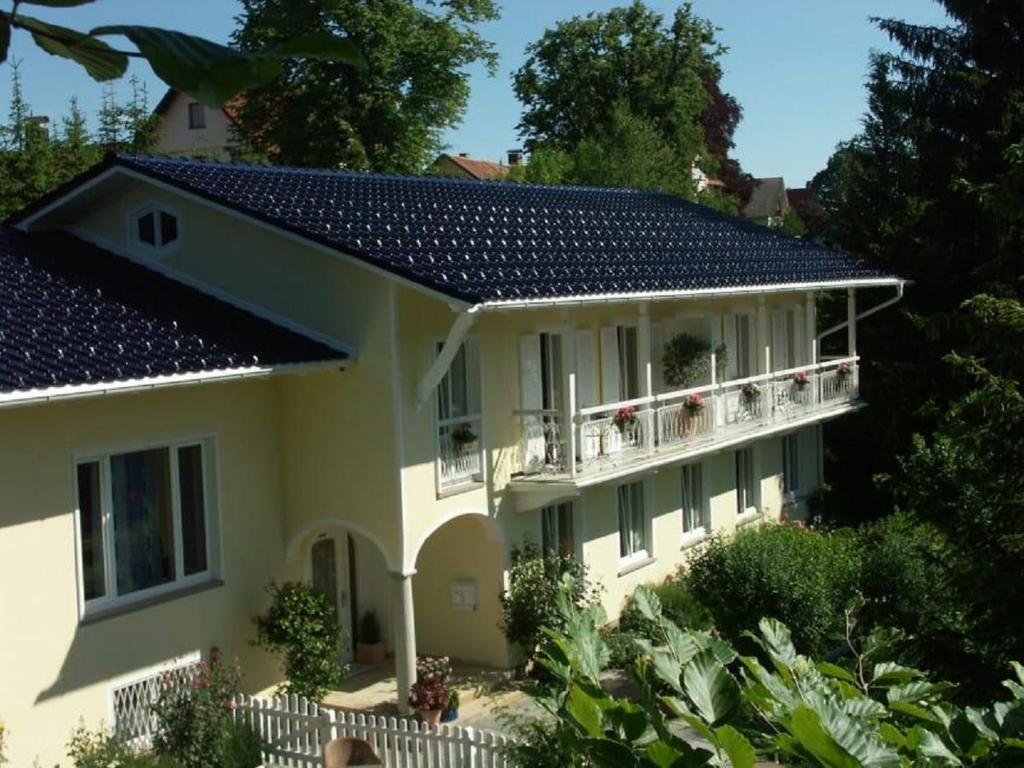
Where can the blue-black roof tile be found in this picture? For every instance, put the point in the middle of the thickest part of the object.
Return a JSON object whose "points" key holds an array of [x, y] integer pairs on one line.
{"points": [[495, 241], [71, 313]]}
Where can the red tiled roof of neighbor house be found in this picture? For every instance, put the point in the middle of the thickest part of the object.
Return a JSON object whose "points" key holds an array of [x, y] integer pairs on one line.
{"points": [[484, 170]]}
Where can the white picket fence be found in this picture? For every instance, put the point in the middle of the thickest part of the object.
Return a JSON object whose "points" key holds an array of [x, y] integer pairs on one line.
{"points": [[294, 731]]}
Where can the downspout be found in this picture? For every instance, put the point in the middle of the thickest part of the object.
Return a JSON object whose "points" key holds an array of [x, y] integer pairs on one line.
{"points": [[862, 315], [456, 335]]}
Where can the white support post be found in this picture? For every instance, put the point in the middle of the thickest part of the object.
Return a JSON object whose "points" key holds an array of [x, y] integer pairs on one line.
{"points": [[568, 427], [405, 639], [811, 328], [643, 331], [763, 336], [851, 322], [717, 404]]}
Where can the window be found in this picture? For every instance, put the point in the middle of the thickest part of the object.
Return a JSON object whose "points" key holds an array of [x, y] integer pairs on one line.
{"points": [[629, 363], [791, 465], [143, 523], [556, 529], [458, 414], [742, 346], [746, 486], [155, 227], [694, 508], [196, 115], [632, 522]]}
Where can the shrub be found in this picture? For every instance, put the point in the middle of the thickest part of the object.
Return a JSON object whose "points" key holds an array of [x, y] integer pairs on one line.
{"points": [[687, 359], [803, 578], [98, 749], [301, 625], [530, 602], [195, 720], [623, 648], [678, 605]]}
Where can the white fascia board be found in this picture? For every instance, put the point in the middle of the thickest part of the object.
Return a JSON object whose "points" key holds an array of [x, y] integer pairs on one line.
{"points": [[690, 293], [77, 391]]}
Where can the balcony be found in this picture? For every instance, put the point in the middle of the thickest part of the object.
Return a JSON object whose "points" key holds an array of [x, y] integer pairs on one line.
{"points": [[612, 439], [458, 452]]}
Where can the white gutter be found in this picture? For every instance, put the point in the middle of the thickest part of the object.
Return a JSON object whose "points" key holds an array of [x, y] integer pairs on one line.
{"points": [[865, 313], [695, 293], [456, 335], [78, 391]]}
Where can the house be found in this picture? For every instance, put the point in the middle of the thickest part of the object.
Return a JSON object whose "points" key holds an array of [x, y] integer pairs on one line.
{"points": [[213, 375], [462, 166], [768, 202], [188, 128]]}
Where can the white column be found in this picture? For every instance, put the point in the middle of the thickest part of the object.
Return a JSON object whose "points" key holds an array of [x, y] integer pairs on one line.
{"points": [[568, 416], [715, 319], [811, 322], [643, 332], [851, 321], [765, 364], [405, 638]]}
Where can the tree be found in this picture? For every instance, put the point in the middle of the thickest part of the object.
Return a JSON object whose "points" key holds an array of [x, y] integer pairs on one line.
{"points": [[592, 81], [388, 116], [207, 71]]}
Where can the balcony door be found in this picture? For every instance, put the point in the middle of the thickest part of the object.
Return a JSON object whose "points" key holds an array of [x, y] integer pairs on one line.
{"points": [[542, 391], [331, 568]]}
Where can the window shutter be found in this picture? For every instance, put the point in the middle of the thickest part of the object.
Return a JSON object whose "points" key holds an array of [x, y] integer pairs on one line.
{"points": [[531, 399], [732, 348], [780, 351], [609, 365], [586, 384]]}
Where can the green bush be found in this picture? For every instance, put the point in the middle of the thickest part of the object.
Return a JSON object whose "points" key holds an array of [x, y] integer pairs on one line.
{"points": [[301, 625], [677, 604], [623, 648], [195, 723], [801, 577], [535, 581], [98, 749]]}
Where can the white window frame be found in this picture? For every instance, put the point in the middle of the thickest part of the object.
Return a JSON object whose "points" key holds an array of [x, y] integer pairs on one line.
{"points": [[697, 532], [158, 246], [644, 554], [436, 344], [110, 601], [746, 506]]}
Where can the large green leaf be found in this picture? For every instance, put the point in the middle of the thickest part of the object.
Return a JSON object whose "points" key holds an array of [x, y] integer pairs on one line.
{"points": [[887, 672], [647, 603], [777, 641], [807, 730], [609, 754], [834, 670], [209, 72], [740, 752], [928, 744], [713, 691], [661, 755], [668, 669], [584, 711], [100, 60], [5, 38]]}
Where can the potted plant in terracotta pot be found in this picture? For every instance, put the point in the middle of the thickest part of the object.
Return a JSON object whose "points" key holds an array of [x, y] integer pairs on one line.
{"points": [[693, 405], [370, 645], [429, 697], [801, 380]]}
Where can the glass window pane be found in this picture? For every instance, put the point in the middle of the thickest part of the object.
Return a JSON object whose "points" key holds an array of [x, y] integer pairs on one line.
{"points": [[90, 529], [168, 228], [143, 519], [193, 508], [625, 522], [629, 365], [147, 228], [196, 115], [637, 509], [566, 538], [457, 377]]}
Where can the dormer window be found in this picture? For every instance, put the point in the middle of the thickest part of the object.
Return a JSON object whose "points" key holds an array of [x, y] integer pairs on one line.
{"points": [[155, 227]]}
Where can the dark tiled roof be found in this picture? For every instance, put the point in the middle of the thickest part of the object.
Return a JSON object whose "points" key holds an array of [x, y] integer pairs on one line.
{"points": [[71, 313], [493, 241]]}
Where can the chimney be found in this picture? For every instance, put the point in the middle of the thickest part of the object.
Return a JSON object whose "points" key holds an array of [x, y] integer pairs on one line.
{"points": [[463, 154], [515, 157]]}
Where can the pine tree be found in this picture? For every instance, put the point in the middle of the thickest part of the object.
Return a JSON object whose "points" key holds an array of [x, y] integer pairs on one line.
{"points": [[111, 121]]}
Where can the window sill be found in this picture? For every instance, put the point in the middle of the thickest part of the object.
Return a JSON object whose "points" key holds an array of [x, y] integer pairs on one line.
{"points": [[635, 563], [693, 538], [138, 605], [748, 517], [455, 490]]}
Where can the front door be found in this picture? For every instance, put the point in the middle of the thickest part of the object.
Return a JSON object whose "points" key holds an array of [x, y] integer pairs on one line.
{"points": [[330, 575]]}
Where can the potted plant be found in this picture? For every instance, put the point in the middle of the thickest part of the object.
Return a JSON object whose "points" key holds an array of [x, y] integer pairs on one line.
{"points": [[370, 645], [750, 392], [843, 370], [451, 712], [693, 404], [429, 697], [801, 380], [625, 418], [463, 435]]}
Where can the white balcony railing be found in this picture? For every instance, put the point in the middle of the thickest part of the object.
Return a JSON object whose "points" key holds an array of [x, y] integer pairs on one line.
{"points": [[458, 451], [620, 433]]}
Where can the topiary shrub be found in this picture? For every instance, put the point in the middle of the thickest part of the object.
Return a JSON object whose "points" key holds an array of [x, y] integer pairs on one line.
{"points": [[301, 626], [531, 601], [686, 359], [802, 577], [677, 604]]}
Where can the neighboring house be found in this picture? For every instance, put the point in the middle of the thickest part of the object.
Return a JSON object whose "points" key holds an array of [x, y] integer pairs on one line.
{"points": [[216, 375], [186, 127], [462, 166], [768, 202]]}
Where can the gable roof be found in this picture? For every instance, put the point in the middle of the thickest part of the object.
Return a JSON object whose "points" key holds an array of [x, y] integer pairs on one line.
{"points": [[768, 198], [73, 315], [230, 109], [505, 243], [482, 170]]}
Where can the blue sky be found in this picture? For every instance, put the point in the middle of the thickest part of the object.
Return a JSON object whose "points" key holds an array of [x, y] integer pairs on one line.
{"points": [[796, 66]]}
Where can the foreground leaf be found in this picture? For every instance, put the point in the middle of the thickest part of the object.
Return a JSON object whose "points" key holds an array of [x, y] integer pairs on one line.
{"points": [[713, 691], [735, 745], [100, 60]]}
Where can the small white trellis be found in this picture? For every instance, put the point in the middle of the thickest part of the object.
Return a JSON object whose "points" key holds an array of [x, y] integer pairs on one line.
{"points": [[294, 731], [131, 701]]}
